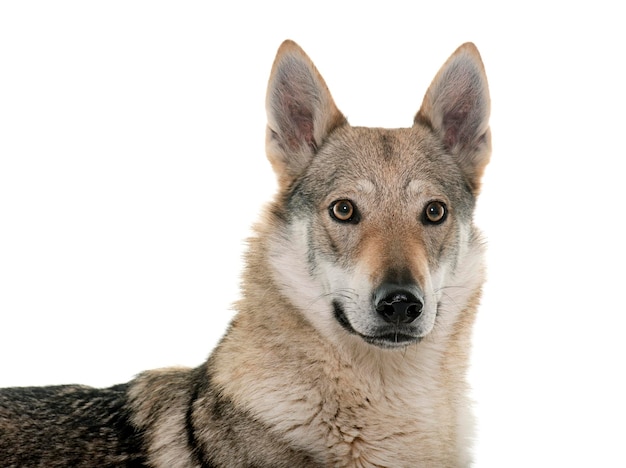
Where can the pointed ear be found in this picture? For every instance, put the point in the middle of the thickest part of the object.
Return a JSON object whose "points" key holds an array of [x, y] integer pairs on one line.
{"points": [[456, 106], [300, 112]]}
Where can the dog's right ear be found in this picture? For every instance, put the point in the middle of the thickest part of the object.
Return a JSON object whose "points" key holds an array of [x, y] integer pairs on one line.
{"points": [[300, 112]]}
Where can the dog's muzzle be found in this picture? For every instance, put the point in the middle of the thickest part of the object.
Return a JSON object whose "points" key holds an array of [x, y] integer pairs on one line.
{"points": [[393, 317]]}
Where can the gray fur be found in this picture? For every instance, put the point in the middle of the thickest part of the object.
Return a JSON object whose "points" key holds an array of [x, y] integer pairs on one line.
{"points": [[78, 426]]}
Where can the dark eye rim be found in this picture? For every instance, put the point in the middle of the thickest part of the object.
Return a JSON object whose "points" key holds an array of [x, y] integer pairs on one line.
{"points": [[354, 216], [434, 222]]}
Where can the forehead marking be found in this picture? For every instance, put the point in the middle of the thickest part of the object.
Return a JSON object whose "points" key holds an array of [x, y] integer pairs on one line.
{"points": [[365, 186], [415, 187]]}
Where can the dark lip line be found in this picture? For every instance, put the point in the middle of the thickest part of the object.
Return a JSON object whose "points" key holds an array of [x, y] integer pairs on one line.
{"points": [[399, 339], [340, 316]]}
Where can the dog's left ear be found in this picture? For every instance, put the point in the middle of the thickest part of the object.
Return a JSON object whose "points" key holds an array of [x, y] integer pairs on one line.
{"points": [[300, 112], [456, 106]]}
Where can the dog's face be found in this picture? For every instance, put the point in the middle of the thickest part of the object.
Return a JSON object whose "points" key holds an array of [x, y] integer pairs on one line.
{"points": [[375, 223]]}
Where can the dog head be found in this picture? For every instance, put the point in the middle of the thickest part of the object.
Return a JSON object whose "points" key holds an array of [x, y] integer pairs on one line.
{"points": [[375, 225]]}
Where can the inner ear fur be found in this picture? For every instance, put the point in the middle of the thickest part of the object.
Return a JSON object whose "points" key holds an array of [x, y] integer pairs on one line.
{"points": [[456, 107], [300, 112]]}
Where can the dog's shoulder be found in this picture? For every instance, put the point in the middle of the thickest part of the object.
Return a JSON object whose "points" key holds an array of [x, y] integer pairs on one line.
{"points": [[187, 412]]}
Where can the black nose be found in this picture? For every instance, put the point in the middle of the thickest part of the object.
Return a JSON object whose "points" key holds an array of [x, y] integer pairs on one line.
{"points": [[399, 307]]}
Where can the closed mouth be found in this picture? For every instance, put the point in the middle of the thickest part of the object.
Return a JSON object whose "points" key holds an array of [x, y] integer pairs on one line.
{"points": [[389, 336]]}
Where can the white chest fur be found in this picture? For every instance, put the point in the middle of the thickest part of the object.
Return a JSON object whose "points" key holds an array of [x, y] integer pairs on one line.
{"points": [[384, 409]]}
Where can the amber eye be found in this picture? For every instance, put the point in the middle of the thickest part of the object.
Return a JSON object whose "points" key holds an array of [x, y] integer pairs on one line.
{"points": [[435, 212], [343, 211]]}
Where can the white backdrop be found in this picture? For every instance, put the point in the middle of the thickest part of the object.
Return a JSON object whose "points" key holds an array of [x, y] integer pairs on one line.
{"points": [[132, 166]]}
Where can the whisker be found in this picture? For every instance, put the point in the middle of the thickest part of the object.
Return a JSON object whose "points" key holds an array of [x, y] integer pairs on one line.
{"points": [[349, 294]]}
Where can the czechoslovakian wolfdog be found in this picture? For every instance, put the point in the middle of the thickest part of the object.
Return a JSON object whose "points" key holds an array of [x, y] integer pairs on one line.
{"points": [[351, 341]]}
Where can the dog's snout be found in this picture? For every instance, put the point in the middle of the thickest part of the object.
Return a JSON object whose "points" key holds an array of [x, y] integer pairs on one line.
{"points": [[399, 306]]}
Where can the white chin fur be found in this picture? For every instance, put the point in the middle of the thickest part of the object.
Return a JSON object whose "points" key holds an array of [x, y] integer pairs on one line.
{"points": [[288, 256]]}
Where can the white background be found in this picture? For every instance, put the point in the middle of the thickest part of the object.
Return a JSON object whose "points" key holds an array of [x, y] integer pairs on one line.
{"points": [[132, 166]]}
